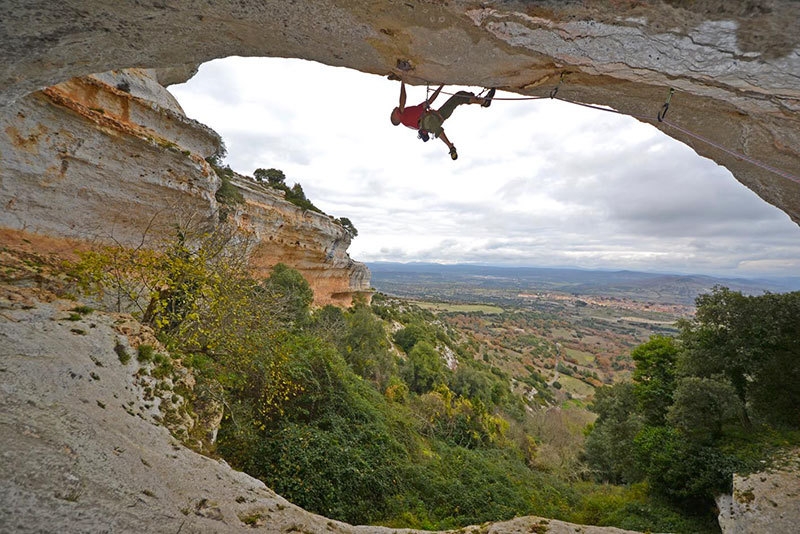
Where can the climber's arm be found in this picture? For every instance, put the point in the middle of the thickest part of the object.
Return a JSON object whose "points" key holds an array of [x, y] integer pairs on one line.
{"points": [[434, 95], [402, 105]]}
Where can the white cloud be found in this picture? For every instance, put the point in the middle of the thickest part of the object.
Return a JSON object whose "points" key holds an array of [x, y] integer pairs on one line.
{"points": [[539, 183]]}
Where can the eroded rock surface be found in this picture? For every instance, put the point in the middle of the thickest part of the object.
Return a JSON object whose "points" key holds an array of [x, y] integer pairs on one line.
{"points": [[765, 501], [111, 158], [735, 65]]}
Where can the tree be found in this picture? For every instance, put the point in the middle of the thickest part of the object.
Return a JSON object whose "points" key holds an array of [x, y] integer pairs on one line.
{"points": [[348, 225], [329, 323], [701, 407], [296, 194], [424, 368], [472, 381], [291, 293], [754, 342], [273, 177], [682, 470], [410, 335], [366, 347], [610, 444], [654, 377], [775, 381]]}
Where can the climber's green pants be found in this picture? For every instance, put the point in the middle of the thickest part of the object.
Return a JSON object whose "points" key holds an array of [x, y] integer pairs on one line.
{"points": [[432, 120]]}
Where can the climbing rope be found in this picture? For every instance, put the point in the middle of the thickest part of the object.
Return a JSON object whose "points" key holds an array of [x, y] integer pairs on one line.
{"points": [[504, 98], [733, 153], [660, 118]]}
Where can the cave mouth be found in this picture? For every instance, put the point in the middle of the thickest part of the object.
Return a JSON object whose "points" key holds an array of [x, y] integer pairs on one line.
{"points": [[537, 183]]}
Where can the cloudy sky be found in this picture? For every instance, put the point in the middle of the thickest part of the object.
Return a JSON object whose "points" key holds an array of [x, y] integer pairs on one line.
{"points": [[538, 183]]}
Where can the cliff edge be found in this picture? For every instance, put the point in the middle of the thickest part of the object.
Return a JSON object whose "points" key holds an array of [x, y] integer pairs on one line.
{"points": [[111, 158]]}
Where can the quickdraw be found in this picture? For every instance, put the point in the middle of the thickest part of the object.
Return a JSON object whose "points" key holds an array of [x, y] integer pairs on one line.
{"points": [[554, 92], [663, 113]]}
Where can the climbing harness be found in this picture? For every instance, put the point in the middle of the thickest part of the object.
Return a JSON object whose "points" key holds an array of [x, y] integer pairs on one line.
{"points": [[422, 134]]}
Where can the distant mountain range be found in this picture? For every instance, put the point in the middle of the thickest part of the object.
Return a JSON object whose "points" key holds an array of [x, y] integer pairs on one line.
{"points": [[403, 278]]}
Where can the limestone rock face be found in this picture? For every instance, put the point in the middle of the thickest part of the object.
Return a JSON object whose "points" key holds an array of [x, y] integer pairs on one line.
{"points": [[112, 158], [735, 65], [311, 242], [88, 160], [763, 502]]}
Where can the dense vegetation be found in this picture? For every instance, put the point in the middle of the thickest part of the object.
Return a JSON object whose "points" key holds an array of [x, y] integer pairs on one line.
{"points": [[356, 414], [717, 399]]}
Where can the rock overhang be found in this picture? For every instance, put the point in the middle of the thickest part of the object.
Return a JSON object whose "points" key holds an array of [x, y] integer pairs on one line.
{"points": [[735, 67]]}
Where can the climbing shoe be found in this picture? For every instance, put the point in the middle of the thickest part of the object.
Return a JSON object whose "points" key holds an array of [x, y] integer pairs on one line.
{"points": [[488, 98], [453, 153]]}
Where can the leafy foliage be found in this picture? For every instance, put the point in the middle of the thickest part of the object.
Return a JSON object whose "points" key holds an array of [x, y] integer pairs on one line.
{"points": [[654, 377], [347, 224], [276, 179], [610, 445], [698, 406], [754, 343], [290, 294], [349, 421], [424, 369], [228, 195], [365, 346]]}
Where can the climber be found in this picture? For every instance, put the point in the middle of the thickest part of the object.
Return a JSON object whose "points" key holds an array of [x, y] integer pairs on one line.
{"points": [[426, 120]]}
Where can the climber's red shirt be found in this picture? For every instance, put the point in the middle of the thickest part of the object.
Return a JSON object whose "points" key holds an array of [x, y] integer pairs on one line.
{"points": [[410, 116]]}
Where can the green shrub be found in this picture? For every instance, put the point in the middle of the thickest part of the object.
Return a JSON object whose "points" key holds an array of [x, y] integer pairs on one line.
{"points": [[122, 353], [228, 193], [145, 353], [635, 508], [163, 366]]}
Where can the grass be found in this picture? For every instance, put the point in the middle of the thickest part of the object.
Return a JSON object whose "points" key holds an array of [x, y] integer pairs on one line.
{"points": [[460, 308], [583, 358], [562, 334], [575, 386], [145, 353]]}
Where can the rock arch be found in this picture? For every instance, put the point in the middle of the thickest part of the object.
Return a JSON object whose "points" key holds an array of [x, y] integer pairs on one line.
{"points": [[735, 66]]}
